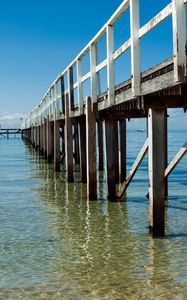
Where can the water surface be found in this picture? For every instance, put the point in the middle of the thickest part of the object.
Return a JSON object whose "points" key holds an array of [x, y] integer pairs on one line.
{"points": [[54, 244]]}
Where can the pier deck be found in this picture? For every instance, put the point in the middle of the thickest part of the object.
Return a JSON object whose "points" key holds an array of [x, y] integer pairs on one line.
{"points": [[64, 129]]}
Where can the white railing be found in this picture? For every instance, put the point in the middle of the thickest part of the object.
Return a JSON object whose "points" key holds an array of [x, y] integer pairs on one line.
{"points": [[52, 101]]}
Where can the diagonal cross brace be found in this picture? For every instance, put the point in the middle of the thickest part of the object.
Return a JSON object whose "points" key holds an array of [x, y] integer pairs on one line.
{"points": [[176, 160], [133, 170]]}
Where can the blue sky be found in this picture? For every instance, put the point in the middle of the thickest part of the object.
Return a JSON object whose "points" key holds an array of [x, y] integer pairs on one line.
{"points": [[38, 39]]}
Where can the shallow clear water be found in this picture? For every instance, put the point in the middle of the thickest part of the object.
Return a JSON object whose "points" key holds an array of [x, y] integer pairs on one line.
{"points": [[56, 245]]}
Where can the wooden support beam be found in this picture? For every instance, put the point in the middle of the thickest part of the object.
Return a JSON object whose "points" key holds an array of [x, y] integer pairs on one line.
{"points": [[100, 146], [35, 137], [133, 170], [56, 144], [39, 130], [166, 150], [44, 139], [91, 150], [82, 149], [68, 142], [110, 160], [41, 137], [123, 154], [76, 144], [49, 140], [156, 164], [116, 150], [164, 101], [63, 137], [178, 157]]}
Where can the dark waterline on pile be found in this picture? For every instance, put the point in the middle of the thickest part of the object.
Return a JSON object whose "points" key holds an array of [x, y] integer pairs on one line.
{"points": [[54, 244]]}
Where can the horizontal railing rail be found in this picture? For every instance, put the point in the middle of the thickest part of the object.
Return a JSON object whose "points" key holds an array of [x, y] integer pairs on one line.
{"points": [[53, 103]]}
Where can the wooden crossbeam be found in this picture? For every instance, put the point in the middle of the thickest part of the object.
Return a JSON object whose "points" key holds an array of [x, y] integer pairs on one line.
{"points": [[133, 170], [176, 160]]}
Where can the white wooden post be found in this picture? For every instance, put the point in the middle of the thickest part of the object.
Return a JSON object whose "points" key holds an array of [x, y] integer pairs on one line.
{"points": [[98, 74], [179, 40], [135, 47], [79, 88], [70, 91], [110, 64], [93, 64]]}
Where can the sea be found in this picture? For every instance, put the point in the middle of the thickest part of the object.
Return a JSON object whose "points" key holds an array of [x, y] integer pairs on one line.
{"points": [[55, 244]]}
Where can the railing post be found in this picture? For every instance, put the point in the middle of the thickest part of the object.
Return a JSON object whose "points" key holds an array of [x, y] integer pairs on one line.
{"points": [[179, 40], [79, 88], [110, 64], [70, 90], [93, 64], [135, 47], [62, 94]]}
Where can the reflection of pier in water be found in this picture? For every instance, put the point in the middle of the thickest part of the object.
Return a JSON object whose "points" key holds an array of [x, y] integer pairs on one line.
{"points": [[96, 238]]}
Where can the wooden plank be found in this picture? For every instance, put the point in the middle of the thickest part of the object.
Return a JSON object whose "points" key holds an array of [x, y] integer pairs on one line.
{"points": [[68, 142], [123, 154], [110, 65], [91, 150], [135, 46], [101, 66], [156, 166], [178, 157], [110, 160], [122, 49], [133, 170], [82, 149], [155, 21], [164, 101], [179, 40], [85, 77], [119, 12]]}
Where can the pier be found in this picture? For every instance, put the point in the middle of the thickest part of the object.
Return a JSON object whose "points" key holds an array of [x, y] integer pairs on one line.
{"points": [[6, 131], [91, 132]]}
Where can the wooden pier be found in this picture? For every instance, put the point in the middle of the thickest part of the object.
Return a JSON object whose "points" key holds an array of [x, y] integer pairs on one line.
{"points": [[94, 129], [7, 132]]}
